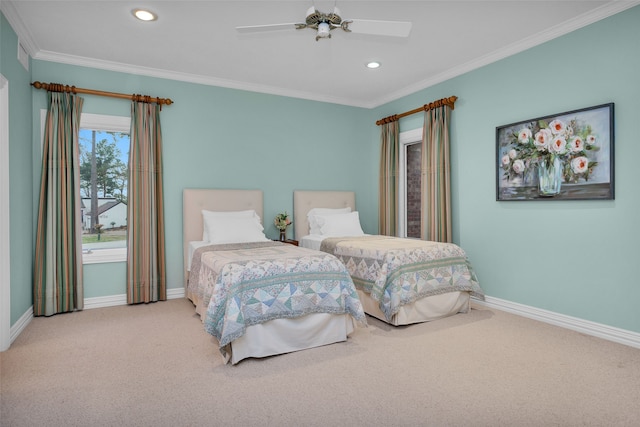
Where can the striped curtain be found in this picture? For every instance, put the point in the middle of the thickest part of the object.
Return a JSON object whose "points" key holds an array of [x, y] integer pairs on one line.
{"points": [[435, 220], [146, 268], [389, 164], [57, 282]]}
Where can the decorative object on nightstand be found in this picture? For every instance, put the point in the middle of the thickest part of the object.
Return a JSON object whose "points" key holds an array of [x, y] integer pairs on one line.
{"points": [[282, 221]]}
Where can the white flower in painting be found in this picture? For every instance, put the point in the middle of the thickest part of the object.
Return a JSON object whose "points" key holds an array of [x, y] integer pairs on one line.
{"points": [[518, 166], [542, 139], [580, 164], [524, 135], [557, 127], [569, 131], [537, 142], [558, 145], [577, 144]]}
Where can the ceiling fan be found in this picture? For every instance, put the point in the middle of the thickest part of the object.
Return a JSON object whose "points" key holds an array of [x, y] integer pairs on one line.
{"points": [[324, 23]]}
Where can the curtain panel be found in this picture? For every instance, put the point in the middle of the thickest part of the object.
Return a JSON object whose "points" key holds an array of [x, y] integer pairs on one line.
{"points": [[389, 165], [146, 268], [57, 283], [435, 220]]}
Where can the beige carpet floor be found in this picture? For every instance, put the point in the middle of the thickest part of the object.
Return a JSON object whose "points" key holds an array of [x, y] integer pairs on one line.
{"points": [[153, 365]]}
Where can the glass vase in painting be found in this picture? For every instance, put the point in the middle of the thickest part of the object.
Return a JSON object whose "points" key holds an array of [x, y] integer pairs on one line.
{"points": [[549, 177]]}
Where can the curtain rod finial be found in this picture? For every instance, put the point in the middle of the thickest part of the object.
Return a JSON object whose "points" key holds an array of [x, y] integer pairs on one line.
{"points": [[452, 100]]}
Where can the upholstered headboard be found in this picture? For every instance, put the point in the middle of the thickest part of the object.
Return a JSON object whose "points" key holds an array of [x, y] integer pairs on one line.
{"points": [[195, 200], [304, 201]]}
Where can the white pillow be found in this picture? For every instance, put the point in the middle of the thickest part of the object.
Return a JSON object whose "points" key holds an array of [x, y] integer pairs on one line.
{"points": [[314, 227], [220, 216], [235, 230], [340, 225]]}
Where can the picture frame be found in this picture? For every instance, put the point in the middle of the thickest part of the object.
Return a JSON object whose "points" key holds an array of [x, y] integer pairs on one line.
{"points": [[565, 156]]}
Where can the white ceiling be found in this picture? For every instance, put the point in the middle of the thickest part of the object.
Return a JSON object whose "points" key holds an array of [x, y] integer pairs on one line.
{"points": [[197, 41]]}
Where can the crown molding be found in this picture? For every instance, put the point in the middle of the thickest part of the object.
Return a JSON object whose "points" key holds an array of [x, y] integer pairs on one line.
{"points": [[23, 33], [578, 22], [185, 77], [602, 12]]}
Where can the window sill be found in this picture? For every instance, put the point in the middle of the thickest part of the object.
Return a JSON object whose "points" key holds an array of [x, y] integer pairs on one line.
{"points": [[99, 256]]}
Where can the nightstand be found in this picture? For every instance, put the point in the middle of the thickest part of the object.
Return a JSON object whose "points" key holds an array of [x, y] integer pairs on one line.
{"points": [[289, 241]]}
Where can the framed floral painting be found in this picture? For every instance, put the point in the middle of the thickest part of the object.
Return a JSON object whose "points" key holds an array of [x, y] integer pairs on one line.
{"points": [[566, 156]]}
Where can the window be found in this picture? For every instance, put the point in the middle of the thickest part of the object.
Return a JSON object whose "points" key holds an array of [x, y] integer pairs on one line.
{"points": [[104, 156], [409, 186], [103, 187]]}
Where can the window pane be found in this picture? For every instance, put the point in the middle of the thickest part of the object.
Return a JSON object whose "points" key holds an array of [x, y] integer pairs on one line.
{"points": [[103, 188], [413, 186]]}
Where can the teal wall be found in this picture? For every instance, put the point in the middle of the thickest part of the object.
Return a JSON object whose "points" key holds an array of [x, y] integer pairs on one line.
{"points": [[224, 138], [577, 258], [20, 172]]}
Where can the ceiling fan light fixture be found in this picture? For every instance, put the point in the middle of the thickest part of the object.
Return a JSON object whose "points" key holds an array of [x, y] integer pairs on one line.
{"points": [[323, 30], [325, 23], [373, 65], [144, 15]]}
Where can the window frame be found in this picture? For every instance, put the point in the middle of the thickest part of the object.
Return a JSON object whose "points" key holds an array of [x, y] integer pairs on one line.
{"points": [[107, 123], [409, 137]]}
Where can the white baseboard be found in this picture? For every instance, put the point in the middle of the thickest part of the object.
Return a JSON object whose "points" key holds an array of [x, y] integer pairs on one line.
{"points": [[111, 300], [620, 336], [23, 321], [89, 303], [107, 301]]}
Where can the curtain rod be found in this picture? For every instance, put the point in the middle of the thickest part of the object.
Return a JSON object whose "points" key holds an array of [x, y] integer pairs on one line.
{"points": [[450, 101], [56, 87]]}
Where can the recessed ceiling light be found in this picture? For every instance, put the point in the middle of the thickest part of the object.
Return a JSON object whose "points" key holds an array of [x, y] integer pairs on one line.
{"points": [[373, 64], [144, 15]]}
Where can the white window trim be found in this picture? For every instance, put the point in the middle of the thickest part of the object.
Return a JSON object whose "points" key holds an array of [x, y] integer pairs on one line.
{"points": [[406, 138], [100, 256], [105, 122], [109, 124]]}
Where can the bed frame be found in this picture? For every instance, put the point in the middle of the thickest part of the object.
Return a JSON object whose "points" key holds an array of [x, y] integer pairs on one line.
{"points": [[195, 200], [275, 336], [423, 310], [304, 201]]}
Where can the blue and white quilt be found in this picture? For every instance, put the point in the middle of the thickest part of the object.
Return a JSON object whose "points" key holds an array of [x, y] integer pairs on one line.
{"points": [[250, 283], [396, 271]]}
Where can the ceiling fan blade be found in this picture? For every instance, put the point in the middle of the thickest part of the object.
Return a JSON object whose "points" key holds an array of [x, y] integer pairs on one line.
{"points": [[262, 28], [380, 28]]}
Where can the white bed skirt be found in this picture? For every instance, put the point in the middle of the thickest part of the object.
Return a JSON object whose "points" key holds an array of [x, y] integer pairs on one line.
{"points": [[424, 310], [280, 336]]}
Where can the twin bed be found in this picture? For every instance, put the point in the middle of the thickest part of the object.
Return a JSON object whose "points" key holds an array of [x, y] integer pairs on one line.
{"points": [[400, 281], [261, 298], [258, 297]]}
